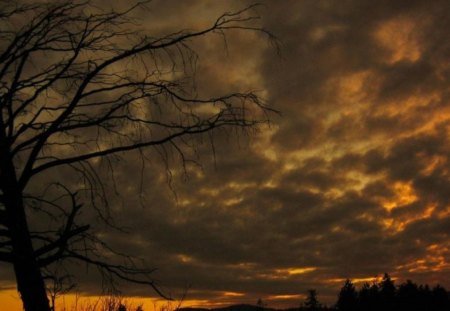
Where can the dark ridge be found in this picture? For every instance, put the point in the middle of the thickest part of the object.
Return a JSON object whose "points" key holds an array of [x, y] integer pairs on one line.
{"points": [[238, 307]]}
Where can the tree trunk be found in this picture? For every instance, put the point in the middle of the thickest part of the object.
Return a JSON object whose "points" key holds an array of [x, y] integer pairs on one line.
{"points": [[30, 283]]}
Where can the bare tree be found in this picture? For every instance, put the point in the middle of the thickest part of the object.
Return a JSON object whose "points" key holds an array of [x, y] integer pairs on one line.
{"points": [[78, 85], [58, 287]]}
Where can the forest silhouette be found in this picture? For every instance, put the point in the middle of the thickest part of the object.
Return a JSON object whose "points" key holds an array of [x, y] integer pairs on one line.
{"points": [[384, 295]]}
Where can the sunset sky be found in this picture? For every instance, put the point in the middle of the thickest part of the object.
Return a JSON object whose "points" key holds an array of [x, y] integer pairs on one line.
{"points": [[350, 180]]}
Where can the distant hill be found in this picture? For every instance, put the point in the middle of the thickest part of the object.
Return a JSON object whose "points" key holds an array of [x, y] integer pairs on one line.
{"points": [[239, 307]]}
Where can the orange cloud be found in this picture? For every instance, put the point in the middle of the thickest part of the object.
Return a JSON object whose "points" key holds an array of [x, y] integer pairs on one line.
{"points": [[399, 36]]}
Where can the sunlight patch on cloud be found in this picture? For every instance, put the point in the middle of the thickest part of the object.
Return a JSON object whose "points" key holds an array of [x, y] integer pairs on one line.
{"points": [[282, 274], [295, 271], [240, 186], [232, 201], [444, 214], [301, 270], [404, 194], [436, 260], [205, 109], [432, 163], [411, 105], [263, 144], [232, 294], [184, 258], [286, 296], [399, 37], [359, 180], [370, 279], [353, 88], [397, 225]]}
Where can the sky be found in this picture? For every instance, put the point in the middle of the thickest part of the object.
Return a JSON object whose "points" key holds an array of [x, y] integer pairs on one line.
{"points": [[350, 180]]}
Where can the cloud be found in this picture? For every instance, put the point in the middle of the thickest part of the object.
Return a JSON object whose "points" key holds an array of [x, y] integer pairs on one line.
{"points": [[349, 189]]}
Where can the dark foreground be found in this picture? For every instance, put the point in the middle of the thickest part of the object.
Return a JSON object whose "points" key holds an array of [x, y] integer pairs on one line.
{"points": [[377, 296]]}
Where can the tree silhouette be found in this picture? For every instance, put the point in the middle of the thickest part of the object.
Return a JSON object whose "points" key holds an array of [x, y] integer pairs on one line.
{"points": [[368, 297], [387, 293], [440, 299], [311, 302], [408, 296], [348, 297], [78, 87], [261, 304]]}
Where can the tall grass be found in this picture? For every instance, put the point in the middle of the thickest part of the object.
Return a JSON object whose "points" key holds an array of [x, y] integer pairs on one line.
{"points": [[104, 303]]}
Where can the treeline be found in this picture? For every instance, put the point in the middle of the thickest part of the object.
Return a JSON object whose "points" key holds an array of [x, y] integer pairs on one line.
{"points": [[385, 296]]}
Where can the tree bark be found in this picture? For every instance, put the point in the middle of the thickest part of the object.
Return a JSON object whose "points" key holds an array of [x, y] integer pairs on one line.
{"points": [[30, 282]]}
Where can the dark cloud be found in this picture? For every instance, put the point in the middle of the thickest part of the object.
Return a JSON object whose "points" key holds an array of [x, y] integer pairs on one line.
{"points": [[346, 185]]}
